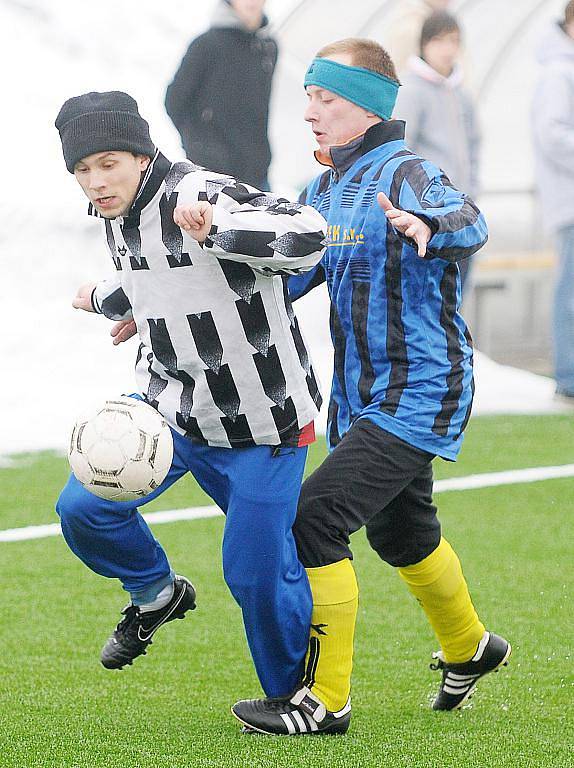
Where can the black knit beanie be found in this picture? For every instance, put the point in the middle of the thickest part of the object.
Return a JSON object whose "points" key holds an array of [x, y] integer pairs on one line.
{"points": [[437, 24], [100, 122]]}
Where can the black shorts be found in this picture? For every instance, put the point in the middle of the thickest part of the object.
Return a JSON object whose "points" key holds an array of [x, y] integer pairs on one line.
{"points": [[375, 479]]}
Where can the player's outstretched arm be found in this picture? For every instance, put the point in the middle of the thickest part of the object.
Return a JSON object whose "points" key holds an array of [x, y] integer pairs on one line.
{"points": [[270, 233], [406, 223], [458, 228]]}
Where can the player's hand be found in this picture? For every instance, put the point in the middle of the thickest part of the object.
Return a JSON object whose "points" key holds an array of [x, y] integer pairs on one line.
{"points": [[83, 298], [407, 224], [123, 331], [195, 219]]}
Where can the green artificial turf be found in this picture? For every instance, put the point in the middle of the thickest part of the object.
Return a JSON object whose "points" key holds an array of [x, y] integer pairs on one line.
{"points": [[30, 486], [60, 708]]}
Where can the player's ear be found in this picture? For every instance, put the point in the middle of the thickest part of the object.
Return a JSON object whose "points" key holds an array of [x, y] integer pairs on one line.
{"points": [[143, 161]]}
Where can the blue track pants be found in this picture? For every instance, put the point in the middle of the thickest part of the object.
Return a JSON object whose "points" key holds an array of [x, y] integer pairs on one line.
{"points": [[258, 489]]}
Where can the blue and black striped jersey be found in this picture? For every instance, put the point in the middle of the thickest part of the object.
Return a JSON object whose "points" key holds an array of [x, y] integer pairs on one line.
{"points": [[403, 353]]}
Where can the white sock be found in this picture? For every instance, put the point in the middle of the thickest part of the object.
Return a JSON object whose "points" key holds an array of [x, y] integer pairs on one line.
{"points": [[162, 599]]}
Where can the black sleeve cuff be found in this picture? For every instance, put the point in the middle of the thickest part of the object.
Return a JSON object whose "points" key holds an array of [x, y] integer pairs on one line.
{"points": [[95, 306]]}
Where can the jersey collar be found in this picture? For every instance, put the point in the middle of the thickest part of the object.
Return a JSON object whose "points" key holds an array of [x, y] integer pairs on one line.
{"points": [[342, 156]]}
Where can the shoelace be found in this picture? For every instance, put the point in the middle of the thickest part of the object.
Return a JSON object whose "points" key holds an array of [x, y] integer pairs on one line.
{"points": [[131, 613]]}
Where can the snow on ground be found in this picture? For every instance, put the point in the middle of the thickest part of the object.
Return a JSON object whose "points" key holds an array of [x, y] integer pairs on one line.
{"points": [[502, 389]]}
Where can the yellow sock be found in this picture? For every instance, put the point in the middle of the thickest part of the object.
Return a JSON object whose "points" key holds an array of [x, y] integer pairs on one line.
{"points": [[438, 584], [330, 656]]}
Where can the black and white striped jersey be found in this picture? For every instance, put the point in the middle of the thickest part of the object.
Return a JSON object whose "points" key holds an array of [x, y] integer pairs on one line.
{"points": [[221, 356]]}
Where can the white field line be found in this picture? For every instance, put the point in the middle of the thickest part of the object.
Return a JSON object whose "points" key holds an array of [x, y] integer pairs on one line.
{"points": [[470, 482], [54, 529]]}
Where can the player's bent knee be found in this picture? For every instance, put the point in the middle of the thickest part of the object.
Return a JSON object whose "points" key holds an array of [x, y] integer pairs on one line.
{"points": [[401, 551], [319, 544], [70, 513], [76, 506], [321, 528]]}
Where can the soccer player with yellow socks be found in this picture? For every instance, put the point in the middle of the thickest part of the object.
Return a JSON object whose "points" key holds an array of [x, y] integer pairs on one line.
{"points": [[401, 392]]}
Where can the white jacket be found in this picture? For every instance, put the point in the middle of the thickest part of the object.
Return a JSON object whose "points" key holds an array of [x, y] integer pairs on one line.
{"points": [[441, 120], [553, 128]]}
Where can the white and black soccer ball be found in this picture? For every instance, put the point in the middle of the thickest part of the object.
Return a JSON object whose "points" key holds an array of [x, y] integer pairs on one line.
{"points": [[122, 450]]}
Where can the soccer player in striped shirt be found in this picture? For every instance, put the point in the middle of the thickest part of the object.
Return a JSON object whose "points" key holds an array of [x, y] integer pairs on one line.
{"points": [[401, 392], [200, 264]]}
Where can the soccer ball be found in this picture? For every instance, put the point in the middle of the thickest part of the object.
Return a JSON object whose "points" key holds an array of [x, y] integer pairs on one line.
{"points": [[122, 450]]}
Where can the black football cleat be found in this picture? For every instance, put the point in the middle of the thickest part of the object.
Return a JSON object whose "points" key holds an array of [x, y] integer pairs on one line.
{"points": [[298, 714], [135, 631], [459, 680]]}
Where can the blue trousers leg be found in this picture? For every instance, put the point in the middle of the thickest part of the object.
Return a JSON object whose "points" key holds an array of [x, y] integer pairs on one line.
{"points": [[260, 563], [113, 539], [259, 493]]}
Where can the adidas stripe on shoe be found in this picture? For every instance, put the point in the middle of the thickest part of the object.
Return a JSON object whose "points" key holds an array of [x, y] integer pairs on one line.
{"points": [[459, 680], [299, 714]]}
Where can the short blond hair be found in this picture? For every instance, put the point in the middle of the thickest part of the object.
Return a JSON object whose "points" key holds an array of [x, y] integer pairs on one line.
{"points": [[364, 53]]}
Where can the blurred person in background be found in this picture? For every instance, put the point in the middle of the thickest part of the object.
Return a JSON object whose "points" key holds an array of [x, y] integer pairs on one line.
{"points": [[402, 32], [553, 134], [219, 97], [440, 114]]}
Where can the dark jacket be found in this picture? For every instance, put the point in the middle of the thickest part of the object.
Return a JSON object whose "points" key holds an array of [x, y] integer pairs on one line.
{"points": [[219, 98]]}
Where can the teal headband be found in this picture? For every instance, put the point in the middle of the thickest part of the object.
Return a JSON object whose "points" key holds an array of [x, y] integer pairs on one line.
{"points": [[368, 89]]}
